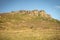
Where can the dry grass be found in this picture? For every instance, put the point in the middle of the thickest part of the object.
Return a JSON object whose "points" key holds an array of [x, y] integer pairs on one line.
{"points": [[29, 34]]}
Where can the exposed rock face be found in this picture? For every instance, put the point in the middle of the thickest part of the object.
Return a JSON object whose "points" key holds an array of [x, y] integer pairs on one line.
{"points": [[31, 13], [42, 13]]}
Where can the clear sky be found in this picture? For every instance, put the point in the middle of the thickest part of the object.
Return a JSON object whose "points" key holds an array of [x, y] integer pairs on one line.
{"points": [[52, 7]]}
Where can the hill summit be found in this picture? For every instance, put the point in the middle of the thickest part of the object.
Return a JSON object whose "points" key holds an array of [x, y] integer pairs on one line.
{"points": [[34, 13]]}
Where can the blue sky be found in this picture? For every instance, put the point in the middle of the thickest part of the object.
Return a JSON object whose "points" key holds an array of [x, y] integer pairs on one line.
{"points": [[52, 7]]}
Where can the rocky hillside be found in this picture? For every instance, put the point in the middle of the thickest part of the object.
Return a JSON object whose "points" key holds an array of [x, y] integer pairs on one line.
{"points": [[28, 25], [24, 19]]}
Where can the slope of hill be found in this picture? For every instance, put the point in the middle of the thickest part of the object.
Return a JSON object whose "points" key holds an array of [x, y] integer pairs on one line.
{"points": [[30, 25]]}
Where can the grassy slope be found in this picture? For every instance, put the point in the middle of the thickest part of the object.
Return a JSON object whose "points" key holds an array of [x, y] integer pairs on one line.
{"points": [[16, 26]]}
